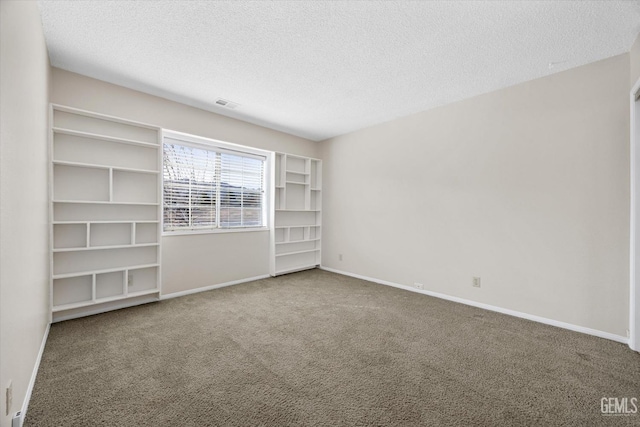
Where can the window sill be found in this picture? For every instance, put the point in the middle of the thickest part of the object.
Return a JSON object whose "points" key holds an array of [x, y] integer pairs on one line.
{"points": [[213, 231]]}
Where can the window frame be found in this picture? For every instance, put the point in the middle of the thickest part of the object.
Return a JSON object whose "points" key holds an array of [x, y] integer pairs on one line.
{"points": [[219, 146]]}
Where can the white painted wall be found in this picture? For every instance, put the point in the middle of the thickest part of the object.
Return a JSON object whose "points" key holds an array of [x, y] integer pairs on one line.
{"points": [[526, 187], [24, 268], [188, 261]]}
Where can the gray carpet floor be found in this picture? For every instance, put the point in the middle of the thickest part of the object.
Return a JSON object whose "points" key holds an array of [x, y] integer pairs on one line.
{"points": [[320, 349]]}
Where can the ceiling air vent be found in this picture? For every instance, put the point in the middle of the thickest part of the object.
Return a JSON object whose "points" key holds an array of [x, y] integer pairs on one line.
{"points": [[226, 103]]}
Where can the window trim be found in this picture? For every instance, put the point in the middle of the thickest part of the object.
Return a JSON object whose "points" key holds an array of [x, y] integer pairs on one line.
{"points": [[219, 146]]}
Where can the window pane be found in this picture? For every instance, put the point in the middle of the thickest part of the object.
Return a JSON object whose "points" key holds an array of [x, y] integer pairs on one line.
{"points": [[241, 189], [176, 217], [230, 217], [203, 216], [251, 217], [199, 181]]}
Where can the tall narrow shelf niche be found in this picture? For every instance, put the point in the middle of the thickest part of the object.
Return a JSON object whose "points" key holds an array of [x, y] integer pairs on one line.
{"points": [[104, 211], [297, 219]]}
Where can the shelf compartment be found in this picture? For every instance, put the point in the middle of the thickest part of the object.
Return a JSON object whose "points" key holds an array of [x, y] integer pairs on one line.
{"points": [[104, 127], [315, 201], [96, 166], [82, 304], [316, 174], [107, 222], [146, 233], [297, 210], [109, 284], [142, 279], [294, 269], [69, 236], [296, 226], [297, 247], [295, 198], [296, 219], [94, 212], [297, 261], [73, 132], [110, 235], [76, 249], [280, 198], [79, 183], [296, 252], [297, 178], [71, 148], [297, 241], [296, 234], [296, 165], [279, 235], [104, 258], [134, 187], [73, 290], [99, 202], [106, 270], [279, 176]]}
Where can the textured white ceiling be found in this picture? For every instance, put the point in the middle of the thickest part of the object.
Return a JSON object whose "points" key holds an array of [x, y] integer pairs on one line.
{"points": [[321, 68]]}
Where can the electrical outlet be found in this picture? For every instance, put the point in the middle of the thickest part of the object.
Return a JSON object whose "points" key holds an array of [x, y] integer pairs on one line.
{"points": [[130, 279], [418, 285], [476, 282], [339, 257], [9, 397]]}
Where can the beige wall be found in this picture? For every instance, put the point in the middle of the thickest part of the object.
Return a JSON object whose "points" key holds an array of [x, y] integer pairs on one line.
{"points": [[634, 61], [24, 270], [188, 261], [526, 187]]}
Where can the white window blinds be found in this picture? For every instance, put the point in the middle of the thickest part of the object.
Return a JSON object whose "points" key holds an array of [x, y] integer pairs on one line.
{"points": [[210, 187]]}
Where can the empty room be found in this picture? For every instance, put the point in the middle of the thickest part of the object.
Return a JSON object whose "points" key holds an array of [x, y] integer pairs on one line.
{"points": [[319, 213]]}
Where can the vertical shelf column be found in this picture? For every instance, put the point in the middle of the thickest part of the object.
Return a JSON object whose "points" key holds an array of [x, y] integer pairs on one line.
{"points": [[297, 215], [104, 178]]}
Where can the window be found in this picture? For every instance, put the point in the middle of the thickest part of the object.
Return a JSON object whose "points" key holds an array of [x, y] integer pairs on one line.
{"points": [[209, 187]]}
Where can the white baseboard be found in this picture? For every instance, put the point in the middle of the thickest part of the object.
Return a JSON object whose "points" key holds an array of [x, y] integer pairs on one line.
{"points": [[546, 321], [209, 288], [34, 374]]}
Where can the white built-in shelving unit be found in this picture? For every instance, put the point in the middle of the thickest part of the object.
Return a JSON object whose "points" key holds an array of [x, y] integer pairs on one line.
{"points": [[105, 209], [297, 219]]}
